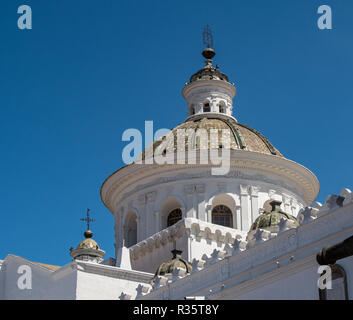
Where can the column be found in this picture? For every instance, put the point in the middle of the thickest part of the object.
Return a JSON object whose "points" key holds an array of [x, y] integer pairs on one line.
{"points": [[200, 191], [245, 209], [189, 193], [149, 213], [119, 229], [208, 213], [141, 219], [238, 217], [116, 232], [254, 195], [158, 222]]}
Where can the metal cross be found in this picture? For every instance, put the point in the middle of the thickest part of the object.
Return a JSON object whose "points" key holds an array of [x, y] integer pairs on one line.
{"points": [[87, 219]]}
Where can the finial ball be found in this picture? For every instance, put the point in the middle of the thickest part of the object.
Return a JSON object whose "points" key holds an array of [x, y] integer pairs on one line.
{"points": [[88, 234], [208, 53]]}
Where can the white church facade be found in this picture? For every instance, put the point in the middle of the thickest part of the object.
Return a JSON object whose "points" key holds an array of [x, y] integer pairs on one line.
{"points": [[252, 232]]}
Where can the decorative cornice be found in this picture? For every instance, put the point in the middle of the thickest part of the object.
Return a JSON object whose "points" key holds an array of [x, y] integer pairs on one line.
{"points": [[115, 272], [207, 86], [76, 253], [134, 178], [214, 115]]}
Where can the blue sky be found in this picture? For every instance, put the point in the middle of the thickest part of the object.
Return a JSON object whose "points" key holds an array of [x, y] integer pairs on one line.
{"points": [[89, 70]]}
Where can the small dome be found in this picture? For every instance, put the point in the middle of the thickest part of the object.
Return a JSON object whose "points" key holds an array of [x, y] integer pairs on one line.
{"points": [[88, 243], [242, 137], [267, 220], [88, 249], [176, 262], [208, 72]]}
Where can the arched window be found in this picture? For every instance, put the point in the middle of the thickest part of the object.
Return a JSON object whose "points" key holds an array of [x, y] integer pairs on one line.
{"points": [[339, 289], [174, 217], [206, 107], [222, 107], [192, 109], [222, 215]]}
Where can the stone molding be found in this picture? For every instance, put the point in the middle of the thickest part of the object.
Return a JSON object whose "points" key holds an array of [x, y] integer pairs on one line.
{"points": [[93, 254], [208, 87], [114, 272]]}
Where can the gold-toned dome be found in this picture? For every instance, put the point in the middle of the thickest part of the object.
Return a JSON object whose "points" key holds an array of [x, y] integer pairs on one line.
{"points": [[88, 249], [267, 220], [88, 243], [208, 72], [176, 262], [241, 137]]}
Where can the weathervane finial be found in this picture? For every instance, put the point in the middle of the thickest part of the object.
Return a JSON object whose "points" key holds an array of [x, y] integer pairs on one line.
{"points": [[207, 37], [208, 53]]}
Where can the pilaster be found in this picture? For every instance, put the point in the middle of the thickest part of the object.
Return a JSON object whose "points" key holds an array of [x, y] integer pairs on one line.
{"points": [[245, 208], [150, 219], [141, 219], [254, 195], [189, 193], [200, 191]]}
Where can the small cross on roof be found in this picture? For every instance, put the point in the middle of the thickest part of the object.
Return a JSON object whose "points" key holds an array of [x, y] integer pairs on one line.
{"points": [[87, 219]]}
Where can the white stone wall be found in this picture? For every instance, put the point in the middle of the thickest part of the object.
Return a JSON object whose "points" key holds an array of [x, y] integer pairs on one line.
{"points": [[196, 198], [277, 265], [43, 285], [101, 286], [75, 281], [273, 265], [197, 239]]}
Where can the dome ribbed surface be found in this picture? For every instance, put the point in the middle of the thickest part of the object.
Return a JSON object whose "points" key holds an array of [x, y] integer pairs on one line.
{"points": [[88, 243], [208, 72], [240, 137]]}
